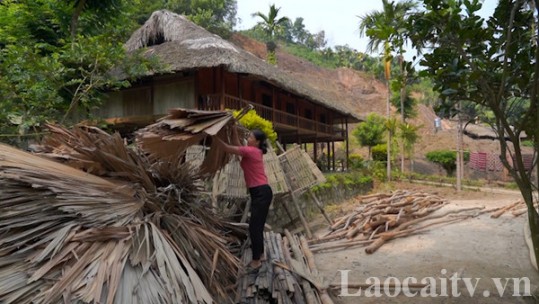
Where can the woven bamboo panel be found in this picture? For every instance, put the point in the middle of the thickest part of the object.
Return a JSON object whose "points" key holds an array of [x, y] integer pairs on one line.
{"points": [[195, 155], [302, 172], [230, 182], [275, 173]]}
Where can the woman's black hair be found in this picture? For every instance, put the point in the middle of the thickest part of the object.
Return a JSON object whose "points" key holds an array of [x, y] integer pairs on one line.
{"points": [[261, 137]]}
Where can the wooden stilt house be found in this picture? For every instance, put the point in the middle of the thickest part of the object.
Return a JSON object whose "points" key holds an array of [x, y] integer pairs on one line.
{"points": [[206, 72]]}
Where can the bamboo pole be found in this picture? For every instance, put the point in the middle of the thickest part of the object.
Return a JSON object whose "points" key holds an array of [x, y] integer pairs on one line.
{"points": [[320, 206], [246, 211]]}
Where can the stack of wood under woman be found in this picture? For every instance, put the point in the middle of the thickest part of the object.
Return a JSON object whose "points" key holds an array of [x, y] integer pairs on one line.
{"points": [[288, 275]]}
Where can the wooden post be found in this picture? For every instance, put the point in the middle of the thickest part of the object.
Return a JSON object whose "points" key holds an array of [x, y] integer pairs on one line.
{"points": [[329, 156], [333, 154], [222, 89]]}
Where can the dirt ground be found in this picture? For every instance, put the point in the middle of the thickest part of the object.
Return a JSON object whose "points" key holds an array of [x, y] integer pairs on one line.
{"points": [[479, 248], [463, 258]]}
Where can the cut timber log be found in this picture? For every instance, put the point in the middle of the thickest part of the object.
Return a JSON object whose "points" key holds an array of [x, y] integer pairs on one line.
{"points": [[498, 213]]}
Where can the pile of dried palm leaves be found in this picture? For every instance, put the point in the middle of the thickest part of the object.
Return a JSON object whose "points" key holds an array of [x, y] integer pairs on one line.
{"points": [[381, 217], [101, 222]]}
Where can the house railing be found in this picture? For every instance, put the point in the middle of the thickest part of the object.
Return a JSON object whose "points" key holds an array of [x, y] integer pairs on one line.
{"points": [[213, 103]]}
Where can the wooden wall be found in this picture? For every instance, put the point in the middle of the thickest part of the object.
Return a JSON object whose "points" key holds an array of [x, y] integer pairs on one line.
{"points": [[149, 99]]}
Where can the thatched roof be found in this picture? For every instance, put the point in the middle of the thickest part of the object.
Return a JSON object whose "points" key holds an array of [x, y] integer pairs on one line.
{"points": [[477, 131], [183, 45]]}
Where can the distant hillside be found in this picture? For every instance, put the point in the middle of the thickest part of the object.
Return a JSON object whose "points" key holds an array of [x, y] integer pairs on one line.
{"points": [[354, 89], [364, 94]]}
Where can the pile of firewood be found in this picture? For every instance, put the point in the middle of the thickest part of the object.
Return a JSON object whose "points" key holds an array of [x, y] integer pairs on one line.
{"points": [[382, 217], [288, 275]]}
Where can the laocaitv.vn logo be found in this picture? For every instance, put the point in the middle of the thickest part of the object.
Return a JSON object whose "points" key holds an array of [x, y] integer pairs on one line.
{"points": [[443, 286]]}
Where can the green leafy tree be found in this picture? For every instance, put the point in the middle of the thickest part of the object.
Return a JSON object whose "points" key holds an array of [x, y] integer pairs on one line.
{"points": [[298, 31], [217, 16], [494, 64], [47, 73], [96, 11], [408, 104], [370, 132], [271, 24], [409, 136], [388, 28], [423, 87]]}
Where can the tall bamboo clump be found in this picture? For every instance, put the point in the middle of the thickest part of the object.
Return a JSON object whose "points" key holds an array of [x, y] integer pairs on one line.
{"points": [[108, 226]]}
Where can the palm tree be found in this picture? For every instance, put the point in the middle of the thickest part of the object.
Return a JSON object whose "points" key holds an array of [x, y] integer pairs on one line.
{"points": [[409, 135], [387, 28], [271, 24]]}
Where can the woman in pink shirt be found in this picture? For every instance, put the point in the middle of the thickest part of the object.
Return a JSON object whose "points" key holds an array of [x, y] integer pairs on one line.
{"points": [[257, 182]]}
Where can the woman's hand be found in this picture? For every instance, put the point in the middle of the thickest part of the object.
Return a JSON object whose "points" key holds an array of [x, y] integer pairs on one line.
{"points": [[226, 147]]}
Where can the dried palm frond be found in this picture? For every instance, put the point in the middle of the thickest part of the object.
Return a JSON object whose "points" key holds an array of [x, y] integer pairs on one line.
{"points": [[174, 133], [137, 233]]}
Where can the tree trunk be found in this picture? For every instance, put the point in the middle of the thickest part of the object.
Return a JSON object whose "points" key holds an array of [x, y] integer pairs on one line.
{"points": [[459, 150], [75, 19], [389, 134], [403, 96], [533, 217], [533, 220], [526, 187]]}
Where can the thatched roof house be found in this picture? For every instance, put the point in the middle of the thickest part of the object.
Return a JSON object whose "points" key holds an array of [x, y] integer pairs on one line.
{"points": [[182, 45], [206, 72]]}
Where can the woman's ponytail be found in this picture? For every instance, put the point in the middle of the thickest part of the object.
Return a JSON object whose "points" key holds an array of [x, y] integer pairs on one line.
{"points": [[261, 137]]}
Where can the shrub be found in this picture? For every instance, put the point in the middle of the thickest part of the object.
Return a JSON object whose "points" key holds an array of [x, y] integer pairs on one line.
{"points": [[355, 161], [343, 181], [447, 159], [379, 152]]}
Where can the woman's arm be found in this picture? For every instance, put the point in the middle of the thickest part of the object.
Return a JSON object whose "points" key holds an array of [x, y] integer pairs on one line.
{"points": [[226, 147], [235, 137]]}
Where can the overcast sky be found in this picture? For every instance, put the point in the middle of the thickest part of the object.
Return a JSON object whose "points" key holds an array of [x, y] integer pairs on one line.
{"points": [[338, 18]]}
